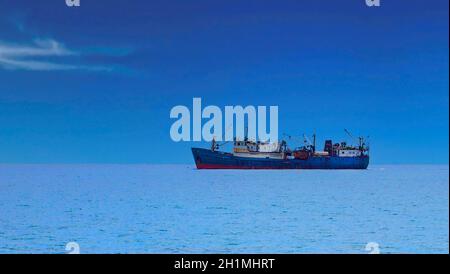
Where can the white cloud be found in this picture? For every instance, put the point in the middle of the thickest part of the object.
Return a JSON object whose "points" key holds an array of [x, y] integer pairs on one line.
{"points": [[29, 57], [32, 65]]}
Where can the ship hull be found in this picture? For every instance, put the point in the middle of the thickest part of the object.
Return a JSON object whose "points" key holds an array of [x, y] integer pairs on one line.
{"points": [[207, 159]]}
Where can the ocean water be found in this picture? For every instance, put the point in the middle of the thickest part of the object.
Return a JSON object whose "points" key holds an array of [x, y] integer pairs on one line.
{"points": [[178, 209]]}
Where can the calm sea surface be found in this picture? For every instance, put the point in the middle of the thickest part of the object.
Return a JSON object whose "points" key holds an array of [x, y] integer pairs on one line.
{"points": [[178, 209]]}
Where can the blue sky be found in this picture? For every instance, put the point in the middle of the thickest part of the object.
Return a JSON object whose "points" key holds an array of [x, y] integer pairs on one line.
{"points": [[95, 84]]}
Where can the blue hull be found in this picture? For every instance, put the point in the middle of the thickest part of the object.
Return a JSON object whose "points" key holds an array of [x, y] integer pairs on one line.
{"points": [[207, 159]]}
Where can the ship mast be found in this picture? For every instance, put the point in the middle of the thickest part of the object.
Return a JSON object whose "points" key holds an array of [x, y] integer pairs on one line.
{"points": [[360, 140], [314, 141], [213, 145]]}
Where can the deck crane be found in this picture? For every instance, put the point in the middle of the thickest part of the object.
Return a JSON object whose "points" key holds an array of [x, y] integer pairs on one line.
{"points": [[308, 142]]}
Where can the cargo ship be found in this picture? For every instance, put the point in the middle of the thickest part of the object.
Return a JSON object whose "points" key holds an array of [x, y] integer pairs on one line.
{"points": [[249, 154]]}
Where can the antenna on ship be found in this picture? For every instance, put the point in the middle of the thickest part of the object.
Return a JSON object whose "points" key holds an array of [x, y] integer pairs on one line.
{"points": [[213, 145], [314, 141]]}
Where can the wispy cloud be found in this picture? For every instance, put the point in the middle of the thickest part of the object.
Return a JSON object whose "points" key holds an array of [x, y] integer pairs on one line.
{"points": [[29, 57]]}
